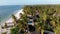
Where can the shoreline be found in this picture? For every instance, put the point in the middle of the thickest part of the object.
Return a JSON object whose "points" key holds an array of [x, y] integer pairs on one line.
{"points": [[10, 20], [16, 15]]}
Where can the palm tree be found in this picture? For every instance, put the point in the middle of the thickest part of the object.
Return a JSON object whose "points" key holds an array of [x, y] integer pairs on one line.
{"points": [[14, 19], [22, 23], [40, 25], [14, 30], [6, 25], [57, 26]]}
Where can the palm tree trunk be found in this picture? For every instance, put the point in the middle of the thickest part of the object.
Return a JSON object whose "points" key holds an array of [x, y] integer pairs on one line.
{"points": [[42, 31]]}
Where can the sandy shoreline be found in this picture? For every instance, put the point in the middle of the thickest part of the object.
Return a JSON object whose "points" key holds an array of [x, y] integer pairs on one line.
{"points": [[17, 15], [10, 20]]}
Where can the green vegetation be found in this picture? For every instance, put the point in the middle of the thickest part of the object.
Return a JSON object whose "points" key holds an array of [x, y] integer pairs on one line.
{"points": [[14, 30], [4, 33], [5, 25], [49, 17], [14, 18]]}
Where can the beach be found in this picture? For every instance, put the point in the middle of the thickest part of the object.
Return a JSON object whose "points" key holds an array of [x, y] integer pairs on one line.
{"points": [[7, 11], [16, 14], [10, 21]]}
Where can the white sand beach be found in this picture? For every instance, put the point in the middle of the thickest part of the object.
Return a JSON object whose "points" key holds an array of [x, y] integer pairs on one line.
{"points": [[10, 20], [17, 15]]}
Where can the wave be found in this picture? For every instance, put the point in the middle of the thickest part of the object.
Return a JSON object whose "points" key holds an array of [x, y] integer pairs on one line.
{"points": [[16, 14], [7, 11]]}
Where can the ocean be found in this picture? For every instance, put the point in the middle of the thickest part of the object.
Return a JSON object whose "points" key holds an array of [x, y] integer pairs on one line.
{"points": [[7, 11]]}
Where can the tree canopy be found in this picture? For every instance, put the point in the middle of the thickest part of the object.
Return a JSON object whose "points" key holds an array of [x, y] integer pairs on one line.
{"points": [[49, 18]]}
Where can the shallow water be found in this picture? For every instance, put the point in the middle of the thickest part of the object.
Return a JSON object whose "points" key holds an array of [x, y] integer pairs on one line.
{"points": [[7, 11]]}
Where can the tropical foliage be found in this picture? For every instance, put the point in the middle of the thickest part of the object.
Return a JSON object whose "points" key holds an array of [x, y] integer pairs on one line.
{"points": [[48, 18], [4, 33]]}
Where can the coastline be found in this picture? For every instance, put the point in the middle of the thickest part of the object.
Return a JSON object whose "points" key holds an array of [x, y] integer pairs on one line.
{"points": [[16, 14], [10, 20]]}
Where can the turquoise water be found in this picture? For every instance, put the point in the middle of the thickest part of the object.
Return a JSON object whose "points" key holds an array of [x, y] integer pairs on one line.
{"points": [[7, 11]]}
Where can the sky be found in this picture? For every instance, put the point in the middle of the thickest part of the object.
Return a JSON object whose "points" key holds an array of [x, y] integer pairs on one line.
{"points": [[28, 2]]}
